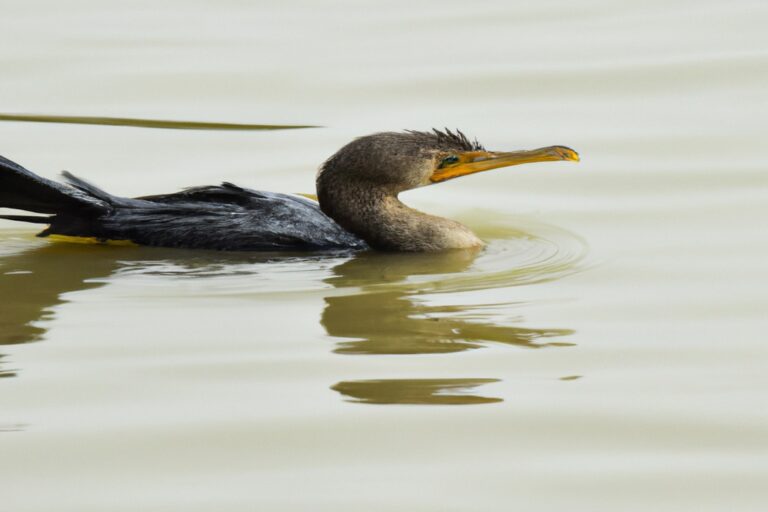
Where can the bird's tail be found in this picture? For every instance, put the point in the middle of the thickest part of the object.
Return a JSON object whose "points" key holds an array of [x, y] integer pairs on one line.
{"points": [[21, 189]]}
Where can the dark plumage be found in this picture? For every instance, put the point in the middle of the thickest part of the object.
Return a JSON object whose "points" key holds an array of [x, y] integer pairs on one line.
{"points": [[225, 217], [357, 190], [445, 139]]}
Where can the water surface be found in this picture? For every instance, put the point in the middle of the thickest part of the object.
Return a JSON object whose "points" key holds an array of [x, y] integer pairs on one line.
{"points": [[605, 351]]}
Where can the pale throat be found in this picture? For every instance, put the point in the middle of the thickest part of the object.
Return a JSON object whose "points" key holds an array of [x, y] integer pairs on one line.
{"points": [[386, 223]]}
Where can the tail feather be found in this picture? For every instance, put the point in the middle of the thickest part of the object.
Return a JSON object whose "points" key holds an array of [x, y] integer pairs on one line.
{"points": [[21, 189], [89, 188]]}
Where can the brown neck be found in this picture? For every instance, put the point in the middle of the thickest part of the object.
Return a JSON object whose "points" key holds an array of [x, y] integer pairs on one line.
{"points": [[378, 217]]}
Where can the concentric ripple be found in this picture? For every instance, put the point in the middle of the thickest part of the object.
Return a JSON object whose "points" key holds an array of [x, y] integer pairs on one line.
{"points": [[512, 257]]}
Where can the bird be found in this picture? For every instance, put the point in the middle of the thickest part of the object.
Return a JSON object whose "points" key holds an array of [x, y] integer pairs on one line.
{"points": [[357, 205]]}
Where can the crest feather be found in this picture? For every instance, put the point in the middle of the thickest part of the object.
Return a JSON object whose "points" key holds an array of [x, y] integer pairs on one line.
{"points": [[449, 139]]}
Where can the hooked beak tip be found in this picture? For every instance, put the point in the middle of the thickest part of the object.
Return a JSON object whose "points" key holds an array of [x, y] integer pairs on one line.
{"points": [[566, 153]]}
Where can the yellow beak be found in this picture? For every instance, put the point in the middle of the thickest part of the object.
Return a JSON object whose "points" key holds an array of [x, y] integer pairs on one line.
{"points": [[479, 161]]}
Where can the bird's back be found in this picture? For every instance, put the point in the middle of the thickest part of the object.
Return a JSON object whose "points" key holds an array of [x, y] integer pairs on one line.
{"points": [[224, 217]]}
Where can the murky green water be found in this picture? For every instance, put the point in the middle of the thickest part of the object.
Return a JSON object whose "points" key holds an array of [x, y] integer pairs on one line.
{"points": [[605, 351]]}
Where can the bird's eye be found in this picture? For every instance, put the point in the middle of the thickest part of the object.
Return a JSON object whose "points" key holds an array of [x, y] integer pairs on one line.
{"points": [[449, 160]]}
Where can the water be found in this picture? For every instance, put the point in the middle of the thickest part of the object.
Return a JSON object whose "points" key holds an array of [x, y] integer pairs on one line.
{"points": [[606, 351]]}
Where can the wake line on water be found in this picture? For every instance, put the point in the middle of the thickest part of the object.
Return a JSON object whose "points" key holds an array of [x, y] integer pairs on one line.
{"points": [[148, 123]]}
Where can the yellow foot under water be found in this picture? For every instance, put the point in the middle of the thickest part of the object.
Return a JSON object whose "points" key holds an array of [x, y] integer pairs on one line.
{"points": [[89, 240]]}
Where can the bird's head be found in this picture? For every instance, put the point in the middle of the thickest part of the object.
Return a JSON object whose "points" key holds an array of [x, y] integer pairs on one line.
{"points": [[398, 161]]}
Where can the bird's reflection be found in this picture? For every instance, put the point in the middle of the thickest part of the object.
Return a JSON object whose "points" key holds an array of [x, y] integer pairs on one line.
{"points": [[415, 391], [37, 276], [33, 281], [375, 306], [381, 319], [385, 315]]}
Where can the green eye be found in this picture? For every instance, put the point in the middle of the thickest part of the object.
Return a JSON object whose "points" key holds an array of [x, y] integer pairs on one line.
{"points": [[449, 160]]}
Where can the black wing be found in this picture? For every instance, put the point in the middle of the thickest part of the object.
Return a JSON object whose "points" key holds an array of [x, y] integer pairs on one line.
{"points": [[225, 217]]}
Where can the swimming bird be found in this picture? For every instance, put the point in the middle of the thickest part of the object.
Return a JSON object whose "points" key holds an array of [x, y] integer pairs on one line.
{"points": [[357, 208]]}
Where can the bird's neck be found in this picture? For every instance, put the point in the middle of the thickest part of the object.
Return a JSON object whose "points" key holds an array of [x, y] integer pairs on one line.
{"points": [[378, 217]]}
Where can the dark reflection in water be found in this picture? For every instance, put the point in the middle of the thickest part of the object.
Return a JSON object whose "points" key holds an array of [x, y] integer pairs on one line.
{"points": [[33, 281], [374, 308], [415, 391], [392, 320]]}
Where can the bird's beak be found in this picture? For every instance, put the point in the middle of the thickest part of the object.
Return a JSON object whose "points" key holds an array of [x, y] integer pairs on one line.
{"points": [[478, 161]]}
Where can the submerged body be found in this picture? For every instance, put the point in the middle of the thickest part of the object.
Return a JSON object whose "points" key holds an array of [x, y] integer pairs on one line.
{"points": [[357, 190]]}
